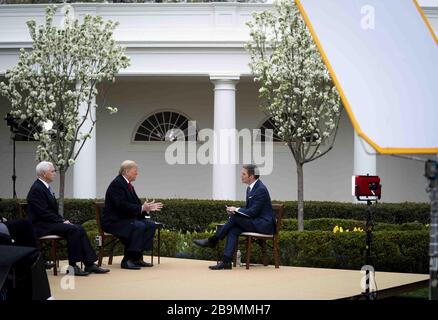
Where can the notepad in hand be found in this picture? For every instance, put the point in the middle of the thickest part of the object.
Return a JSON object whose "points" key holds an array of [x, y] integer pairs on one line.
{"points": [[237, 213]]}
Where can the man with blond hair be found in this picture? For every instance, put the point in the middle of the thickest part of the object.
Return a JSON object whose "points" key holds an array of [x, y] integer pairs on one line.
{"points": [[124, 217], [42, 210]]}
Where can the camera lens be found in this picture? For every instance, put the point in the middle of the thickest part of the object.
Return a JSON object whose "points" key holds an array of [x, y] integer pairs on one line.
{"points": [[372, 186]]}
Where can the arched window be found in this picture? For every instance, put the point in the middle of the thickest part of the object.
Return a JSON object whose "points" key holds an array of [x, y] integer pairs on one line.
{"points": [[165, 126], [269, 124]]}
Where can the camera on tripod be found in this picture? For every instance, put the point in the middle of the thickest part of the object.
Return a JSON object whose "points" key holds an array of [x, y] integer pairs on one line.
{"points": [[367, 188]]}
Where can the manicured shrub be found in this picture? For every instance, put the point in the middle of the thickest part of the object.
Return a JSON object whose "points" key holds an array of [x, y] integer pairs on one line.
{"points": [[196, 215], [393, 251]]}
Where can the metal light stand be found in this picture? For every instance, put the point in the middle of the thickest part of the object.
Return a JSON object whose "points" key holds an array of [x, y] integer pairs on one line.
{"points": [[368, 188], [369, 260], [13, 126], [14, 176], [432, 175]]}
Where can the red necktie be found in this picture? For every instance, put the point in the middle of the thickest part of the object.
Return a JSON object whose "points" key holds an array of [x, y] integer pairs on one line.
{"points": [[130, 187]]}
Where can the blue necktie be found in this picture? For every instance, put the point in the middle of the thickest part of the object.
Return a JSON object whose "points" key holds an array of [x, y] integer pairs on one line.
{"points": [[51, 192], [248, 190]]}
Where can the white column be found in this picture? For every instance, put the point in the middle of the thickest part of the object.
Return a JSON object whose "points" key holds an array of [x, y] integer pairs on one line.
{"points": [[224, 150], [84, 169], [364, 158]]}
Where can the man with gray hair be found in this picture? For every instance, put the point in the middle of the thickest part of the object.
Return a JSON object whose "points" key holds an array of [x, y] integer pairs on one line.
{"points": [[42, 209], [124, 217]]}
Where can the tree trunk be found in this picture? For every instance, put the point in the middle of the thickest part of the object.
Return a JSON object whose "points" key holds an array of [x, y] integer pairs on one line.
{"points": [[300, 180], [61, 192]]}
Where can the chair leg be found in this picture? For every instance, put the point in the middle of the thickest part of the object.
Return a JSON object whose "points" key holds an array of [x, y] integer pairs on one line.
{"points": [[152, 253], [54, 257], [248, 251], [111, 252], [159, 244], [264, 256], [276, 257], [101, 252], [235, 253]]}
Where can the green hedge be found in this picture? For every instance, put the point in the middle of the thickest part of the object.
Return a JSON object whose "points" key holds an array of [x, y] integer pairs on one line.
{"points": [[395, 251], [76, 210], [196, 215], [327, 224], [383, 212]]}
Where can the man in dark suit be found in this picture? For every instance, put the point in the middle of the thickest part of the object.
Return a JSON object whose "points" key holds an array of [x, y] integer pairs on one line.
{"points": [[124, 217], [18, 232], [42, 210], [256, 216], [22, 272]]}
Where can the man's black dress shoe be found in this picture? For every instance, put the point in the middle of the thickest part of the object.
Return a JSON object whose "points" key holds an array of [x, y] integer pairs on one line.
{"points": [[222, 266], [141, 263], [128, 264], [77, 271], [204, 243], [95, 269]]}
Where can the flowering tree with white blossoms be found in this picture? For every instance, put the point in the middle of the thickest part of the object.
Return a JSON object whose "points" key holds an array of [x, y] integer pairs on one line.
{"points": [[295, 86], [55, 77]]}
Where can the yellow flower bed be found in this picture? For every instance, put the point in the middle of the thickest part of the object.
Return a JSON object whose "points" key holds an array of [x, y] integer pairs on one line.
{"points": [[340, 229]]}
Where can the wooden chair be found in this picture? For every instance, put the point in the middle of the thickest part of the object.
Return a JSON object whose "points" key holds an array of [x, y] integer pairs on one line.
{"points": [[158, 226], [110, 241], [51, 241], [263, 238], [105, 239]]}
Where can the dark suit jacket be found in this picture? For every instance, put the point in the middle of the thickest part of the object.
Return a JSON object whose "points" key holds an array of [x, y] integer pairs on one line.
{"points": [[122, 208], [5, 238], [259, 208], [42, 209]]}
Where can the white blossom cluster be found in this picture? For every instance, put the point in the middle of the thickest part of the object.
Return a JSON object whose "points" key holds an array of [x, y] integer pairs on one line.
{"points": [[295, 85], [57, 75]]}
